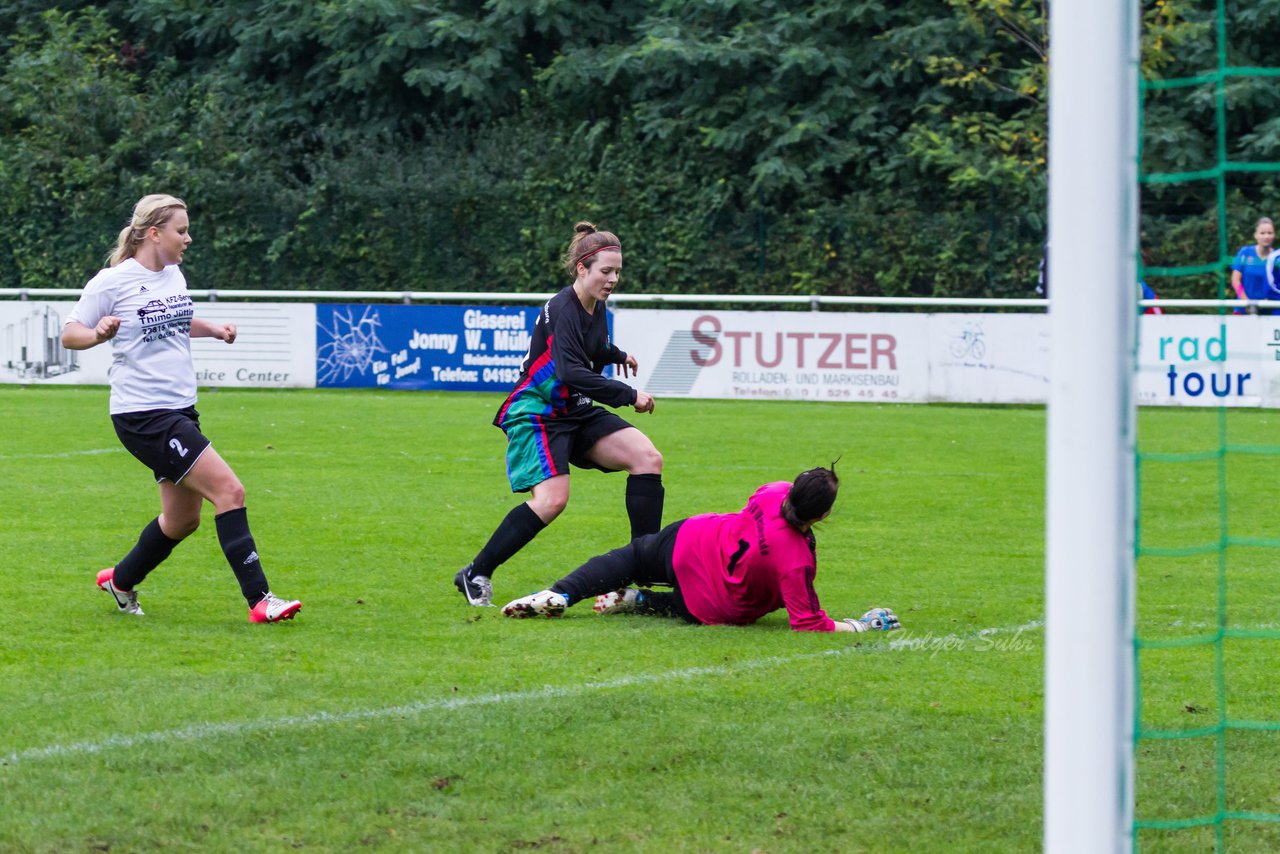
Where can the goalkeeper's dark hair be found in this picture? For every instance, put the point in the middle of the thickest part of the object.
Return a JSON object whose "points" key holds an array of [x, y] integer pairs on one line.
{"points": [[811, 495]]}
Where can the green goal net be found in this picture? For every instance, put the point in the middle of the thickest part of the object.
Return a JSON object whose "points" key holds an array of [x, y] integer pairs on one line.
{"points": [[1207, 539]]}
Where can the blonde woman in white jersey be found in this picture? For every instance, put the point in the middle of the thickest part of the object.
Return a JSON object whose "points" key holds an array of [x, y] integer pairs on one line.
{"points": [[139, 303]]}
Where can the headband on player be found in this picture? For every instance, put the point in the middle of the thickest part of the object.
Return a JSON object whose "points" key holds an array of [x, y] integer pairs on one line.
{"points": [[582, 258]]}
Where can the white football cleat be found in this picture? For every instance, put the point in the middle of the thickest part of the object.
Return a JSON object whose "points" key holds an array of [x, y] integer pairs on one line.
{"points": [[272, 609], [126, 600], [542, 604], [477, 588], [622, 601]]}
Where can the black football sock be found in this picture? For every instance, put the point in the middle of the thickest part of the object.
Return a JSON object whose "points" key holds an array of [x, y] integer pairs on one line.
{"points": [[514, 533], [238, 546], [645, 494], [658, 604], [665, 605], [610, 571], [152, 548]]}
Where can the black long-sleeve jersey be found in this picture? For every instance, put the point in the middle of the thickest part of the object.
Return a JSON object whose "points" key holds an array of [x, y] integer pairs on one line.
{"points": [[567, 351]]}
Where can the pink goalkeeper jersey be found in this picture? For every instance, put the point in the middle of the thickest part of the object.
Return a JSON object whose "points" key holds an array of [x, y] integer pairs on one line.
{"points": [[736, 567]]}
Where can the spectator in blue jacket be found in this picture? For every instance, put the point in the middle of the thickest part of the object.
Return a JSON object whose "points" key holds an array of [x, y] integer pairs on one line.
{"points": [[1249, 269]]}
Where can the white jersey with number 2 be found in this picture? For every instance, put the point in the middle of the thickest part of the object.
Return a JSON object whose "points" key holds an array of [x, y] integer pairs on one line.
{"points": [[151, 364]]}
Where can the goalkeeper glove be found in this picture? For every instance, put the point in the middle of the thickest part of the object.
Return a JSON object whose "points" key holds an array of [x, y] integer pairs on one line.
{"points": [[876, 620]]}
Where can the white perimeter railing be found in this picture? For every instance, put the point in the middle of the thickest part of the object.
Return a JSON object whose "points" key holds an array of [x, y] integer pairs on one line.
{"points": [[815, 302]]}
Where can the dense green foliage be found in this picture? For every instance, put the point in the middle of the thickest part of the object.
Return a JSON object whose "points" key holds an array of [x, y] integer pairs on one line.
{"points": [[826, 146], [1193, 129]]}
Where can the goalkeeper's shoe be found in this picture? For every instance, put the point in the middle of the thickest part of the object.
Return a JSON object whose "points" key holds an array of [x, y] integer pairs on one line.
{"points": [[272, 609], [546, 603], [477, 588], [126, 600], [624, 601]]}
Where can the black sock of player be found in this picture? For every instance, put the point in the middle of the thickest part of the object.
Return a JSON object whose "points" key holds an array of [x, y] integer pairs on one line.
{"points": [[610, 571], [644, 503], [152, 548], [238, 546], [666, 605], [514, 533], [658, 604]]}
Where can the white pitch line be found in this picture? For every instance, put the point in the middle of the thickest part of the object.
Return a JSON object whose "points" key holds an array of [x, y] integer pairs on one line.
{"points": [[204, 731], [65, 455]]}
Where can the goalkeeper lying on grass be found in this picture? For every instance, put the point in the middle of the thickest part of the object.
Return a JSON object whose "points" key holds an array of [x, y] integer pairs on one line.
{"points": [[730, 568]]}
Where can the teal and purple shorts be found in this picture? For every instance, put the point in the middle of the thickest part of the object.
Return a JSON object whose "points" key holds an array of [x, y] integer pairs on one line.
{"points": [[541, 445]]}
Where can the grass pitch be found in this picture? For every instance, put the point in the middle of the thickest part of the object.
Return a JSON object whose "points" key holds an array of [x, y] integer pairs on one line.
{"points": [[391, 716]]}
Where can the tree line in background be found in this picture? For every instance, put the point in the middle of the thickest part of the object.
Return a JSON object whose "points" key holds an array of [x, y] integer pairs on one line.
{"points": [[882, 147]]}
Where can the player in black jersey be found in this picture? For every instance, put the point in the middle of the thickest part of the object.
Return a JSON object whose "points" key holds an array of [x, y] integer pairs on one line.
{"points": [[551, 419]]}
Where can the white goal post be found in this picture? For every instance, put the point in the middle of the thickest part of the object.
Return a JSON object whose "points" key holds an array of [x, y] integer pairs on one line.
{"points": [[1093, 229]]}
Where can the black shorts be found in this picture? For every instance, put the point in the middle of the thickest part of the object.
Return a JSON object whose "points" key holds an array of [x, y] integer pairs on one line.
{"points": [[654, 562], [167, 441], [655, 556]]}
